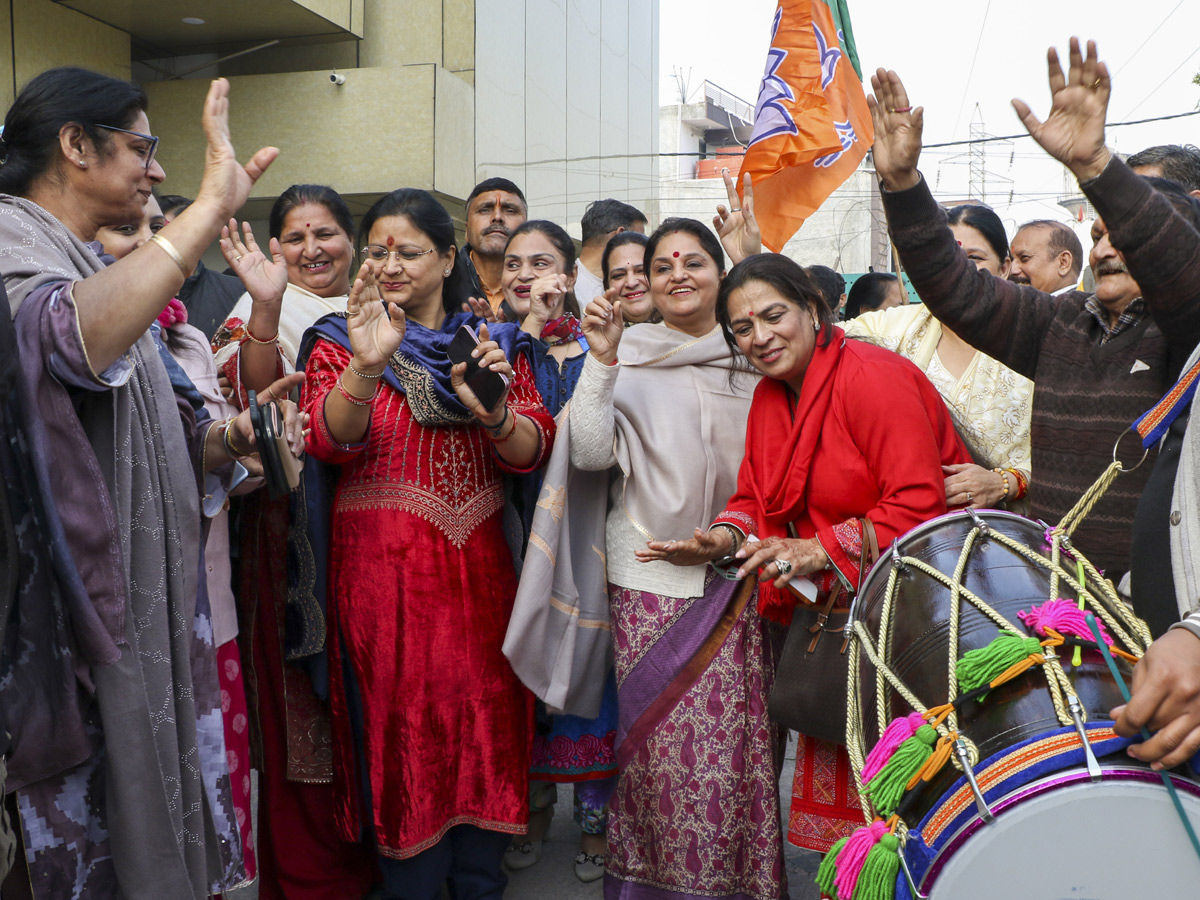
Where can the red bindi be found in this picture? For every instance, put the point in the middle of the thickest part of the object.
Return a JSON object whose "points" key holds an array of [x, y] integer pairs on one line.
{"points": [[391, 240], [750, 314], [676, 254], [306, 225]]}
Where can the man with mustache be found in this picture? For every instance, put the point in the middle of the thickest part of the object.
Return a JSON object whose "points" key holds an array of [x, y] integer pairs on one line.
{"points": [[1098, 361], [495, 207], [1047, 255]]}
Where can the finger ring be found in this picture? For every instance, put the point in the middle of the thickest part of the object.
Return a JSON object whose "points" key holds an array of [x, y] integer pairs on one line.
{"points": [[1095, 84], [970, 497], [902, 109], [236, 258], [351, 315], [736, 209], [784, 567]]}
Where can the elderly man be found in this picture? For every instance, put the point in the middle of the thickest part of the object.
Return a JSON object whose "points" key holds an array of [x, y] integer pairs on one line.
{"points": [[601, 220], [1097, 361], [1047, 255], [495, 208]]}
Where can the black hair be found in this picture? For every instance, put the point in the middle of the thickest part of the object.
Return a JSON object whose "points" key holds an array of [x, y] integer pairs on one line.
{"points": [[562, 242], [429, 217], [831, 284], [1175, 192], [605, 216], [301, 194], [29, 144], [984, 220], [1062, 237], [701, 232], [619, 240], [788, 278], [1179, 163], [489, 185], [172, 204], [868, 292]]}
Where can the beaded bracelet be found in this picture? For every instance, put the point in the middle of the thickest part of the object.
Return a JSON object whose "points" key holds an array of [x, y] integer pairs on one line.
{"points": [[255, 340], [354, 400], [354, 371], [1003, 481]]}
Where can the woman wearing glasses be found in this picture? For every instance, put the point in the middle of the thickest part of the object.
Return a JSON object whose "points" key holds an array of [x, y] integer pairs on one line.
{"points": [[119, 775], [431, 729], [305, 276]]}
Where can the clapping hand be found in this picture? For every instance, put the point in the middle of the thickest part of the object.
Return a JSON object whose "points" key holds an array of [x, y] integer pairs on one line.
{"points": [[226, 183], [603, 326], [701, 547], [482, 309], [898, 126], [375, 332], [265, 277], [1073, 132], [736, 226]]}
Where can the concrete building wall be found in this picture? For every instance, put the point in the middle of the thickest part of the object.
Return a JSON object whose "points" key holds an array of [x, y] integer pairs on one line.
{"points": [[566, 101]]}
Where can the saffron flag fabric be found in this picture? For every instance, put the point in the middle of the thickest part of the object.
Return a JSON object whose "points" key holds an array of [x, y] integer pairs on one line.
{"points": [[811, 124]]}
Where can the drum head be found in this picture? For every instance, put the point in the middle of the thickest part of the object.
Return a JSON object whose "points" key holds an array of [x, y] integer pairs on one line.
{"points": [[1070, 838]]}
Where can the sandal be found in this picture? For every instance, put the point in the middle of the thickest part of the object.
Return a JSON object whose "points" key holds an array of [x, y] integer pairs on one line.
{"points": [[589, 867], [523, 855]]}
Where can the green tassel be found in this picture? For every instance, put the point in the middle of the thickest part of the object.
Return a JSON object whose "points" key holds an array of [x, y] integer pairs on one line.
{"points": [[877, 881], [978, 667], [887, 787], [827, 871]]}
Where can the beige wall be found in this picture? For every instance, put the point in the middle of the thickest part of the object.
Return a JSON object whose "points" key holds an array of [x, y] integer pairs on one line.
{"points": [[46, 35]]}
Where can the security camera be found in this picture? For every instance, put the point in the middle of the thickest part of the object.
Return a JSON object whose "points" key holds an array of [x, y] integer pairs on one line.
{"points": [[336, 78]]}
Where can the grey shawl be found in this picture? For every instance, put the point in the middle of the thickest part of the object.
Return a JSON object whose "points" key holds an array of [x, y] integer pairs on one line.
{"points": [[123, 470], [559, 639]]}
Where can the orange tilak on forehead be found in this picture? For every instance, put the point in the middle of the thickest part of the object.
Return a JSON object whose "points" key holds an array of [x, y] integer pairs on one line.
{"points": [[390, 240], [498, 200]]}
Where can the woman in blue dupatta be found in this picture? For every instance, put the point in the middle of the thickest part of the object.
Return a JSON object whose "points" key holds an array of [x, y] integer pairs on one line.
{"points": [[431, 728]]}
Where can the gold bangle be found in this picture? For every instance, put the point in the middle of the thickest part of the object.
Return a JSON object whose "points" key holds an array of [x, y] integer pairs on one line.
{"points": [[227, 441], [169, 249], [254, 340]]}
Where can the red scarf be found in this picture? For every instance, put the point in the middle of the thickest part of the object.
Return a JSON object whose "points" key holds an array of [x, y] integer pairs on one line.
{"points": [[780, 446]]}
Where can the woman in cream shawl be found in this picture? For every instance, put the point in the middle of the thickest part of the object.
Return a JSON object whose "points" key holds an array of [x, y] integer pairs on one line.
{"points": [[655, 434]]}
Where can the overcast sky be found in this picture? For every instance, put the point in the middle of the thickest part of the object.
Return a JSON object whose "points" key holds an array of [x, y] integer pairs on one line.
{"points": [[953, 57]]}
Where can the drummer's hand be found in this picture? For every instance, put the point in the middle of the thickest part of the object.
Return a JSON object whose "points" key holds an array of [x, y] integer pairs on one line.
{"points": [[805, 554], [701, 547], [972, 486], [1166, 700]]}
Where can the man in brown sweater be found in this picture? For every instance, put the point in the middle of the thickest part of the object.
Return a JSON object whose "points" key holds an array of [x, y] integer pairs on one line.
{"points": [[1098, 361]]}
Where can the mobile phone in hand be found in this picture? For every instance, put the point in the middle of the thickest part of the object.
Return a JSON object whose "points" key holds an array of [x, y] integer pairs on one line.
{"points": [[488, 386]]}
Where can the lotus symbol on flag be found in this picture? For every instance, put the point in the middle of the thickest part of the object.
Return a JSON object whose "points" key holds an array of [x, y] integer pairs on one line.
{"points": [[771, 117]]}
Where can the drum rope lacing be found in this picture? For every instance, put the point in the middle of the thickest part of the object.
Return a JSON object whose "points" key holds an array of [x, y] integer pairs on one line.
{"points": [[1129, 630]]}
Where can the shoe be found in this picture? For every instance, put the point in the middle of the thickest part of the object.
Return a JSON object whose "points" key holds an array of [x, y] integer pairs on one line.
{"points": [[522, 856], [589, 867]]}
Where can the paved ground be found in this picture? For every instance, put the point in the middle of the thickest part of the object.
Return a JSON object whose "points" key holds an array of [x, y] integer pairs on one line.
{"points": [[553, 878]]}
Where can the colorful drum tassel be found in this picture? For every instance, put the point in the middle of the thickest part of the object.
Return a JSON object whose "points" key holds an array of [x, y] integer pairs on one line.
{"points": [[978, 667], [898, 731], [853, 858], [1063, 616], [887, 788], [827, 871], [877, 880]]}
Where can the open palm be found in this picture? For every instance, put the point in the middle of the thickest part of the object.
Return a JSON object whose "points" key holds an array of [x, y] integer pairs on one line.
{"points": [[265, 277], [375, 332]]}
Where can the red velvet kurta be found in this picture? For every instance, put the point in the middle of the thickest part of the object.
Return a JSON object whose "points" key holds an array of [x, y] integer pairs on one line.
{"points": [[421, 588]]}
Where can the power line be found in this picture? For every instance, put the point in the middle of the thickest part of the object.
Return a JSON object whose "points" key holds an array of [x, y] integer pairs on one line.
{"points": [[1164, 81], [1147, 40], [971, 71]]}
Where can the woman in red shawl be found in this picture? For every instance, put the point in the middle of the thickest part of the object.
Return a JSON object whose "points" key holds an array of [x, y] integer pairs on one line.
{"points": [[839, 430]]}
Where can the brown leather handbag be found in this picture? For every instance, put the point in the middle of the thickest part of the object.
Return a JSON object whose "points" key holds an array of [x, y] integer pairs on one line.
{"points": [[809, 695]]}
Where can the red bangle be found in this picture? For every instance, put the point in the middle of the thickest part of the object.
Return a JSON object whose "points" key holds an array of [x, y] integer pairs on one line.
{"points": [[352, 399]]}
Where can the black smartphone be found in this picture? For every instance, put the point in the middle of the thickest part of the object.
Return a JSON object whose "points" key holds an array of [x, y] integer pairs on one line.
{"points": [[488, 386], [267, 448]]}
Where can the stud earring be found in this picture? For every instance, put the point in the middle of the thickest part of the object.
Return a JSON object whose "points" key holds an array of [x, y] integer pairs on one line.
{"points": [[446, 273], [816, 325], [82, 164]]}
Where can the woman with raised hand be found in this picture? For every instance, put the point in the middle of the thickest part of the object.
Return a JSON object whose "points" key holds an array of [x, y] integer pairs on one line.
{"points": [[124, 732], [822, 453], [991, 404], [304, 275], [537, 281], [656, 432], [431, 729]]}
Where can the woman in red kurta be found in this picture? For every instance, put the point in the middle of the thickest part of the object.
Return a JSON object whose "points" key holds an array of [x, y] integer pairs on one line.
{"points": [[838, 431], [432, 730]]}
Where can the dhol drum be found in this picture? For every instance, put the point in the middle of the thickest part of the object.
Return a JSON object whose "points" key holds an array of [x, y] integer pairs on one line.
{"points": [[1038, 798]]}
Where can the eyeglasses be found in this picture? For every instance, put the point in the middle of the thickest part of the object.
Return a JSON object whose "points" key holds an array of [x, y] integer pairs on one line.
{"points": [[137, 134], [378, 254]]}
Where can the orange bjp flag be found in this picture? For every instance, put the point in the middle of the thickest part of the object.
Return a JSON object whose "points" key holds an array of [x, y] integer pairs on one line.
{"points": [[811, 125]]}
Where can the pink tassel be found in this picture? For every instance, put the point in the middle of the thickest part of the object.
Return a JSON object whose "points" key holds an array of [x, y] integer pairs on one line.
{"points": [[850, 861], [897, 732], [1064, 616]]}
